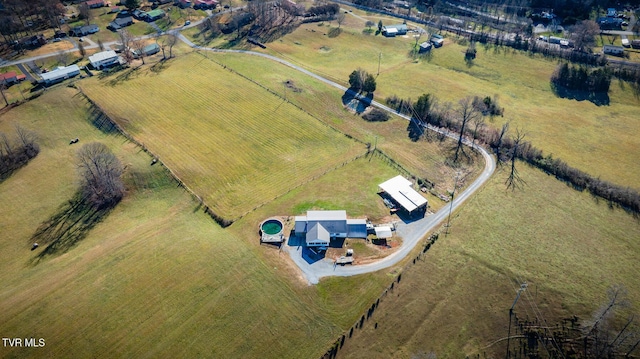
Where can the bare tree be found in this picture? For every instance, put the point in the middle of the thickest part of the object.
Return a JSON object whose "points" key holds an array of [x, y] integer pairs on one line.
{"points": [[83, 52], [138, 46], [170, 41], [514, 180], [498, 141], [467, 113], [369, 24], [584, 35], [478, 123], [126, 39], [63, 57], [340, 19], [85, 13], [100, 173]]}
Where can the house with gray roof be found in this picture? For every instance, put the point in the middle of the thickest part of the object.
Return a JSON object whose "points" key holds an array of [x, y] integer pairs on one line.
{"points": [[319, 227]]}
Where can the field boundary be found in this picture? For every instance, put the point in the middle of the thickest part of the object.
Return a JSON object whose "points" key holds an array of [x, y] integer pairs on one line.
{"points": [[332, 352], [279, 96]]}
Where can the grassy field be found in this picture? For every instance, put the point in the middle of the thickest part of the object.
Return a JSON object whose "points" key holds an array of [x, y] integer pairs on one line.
{"points": [[232, 142], [455, 302], [422, 158], [158, 277], [596, 139]]}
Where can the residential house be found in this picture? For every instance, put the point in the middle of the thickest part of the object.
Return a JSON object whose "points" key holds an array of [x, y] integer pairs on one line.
{"points": [[204, 4], [319, 227], [153, 15], [183, 3], [119, 23], [60, 74], [148, 50], [84, 30], [93, 4], [104, 59], [394, 30], [9, 78], [613, 50], [32, 41], [609, 23]]}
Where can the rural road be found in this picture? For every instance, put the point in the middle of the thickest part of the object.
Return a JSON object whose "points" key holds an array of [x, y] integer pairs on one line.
{"points": [[411, 233]]}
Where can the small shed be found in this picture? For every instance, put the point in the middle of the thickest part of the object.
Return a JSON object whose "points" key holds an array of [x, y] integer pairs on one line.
{"points": [[425, 47], [393, 30], [383, 232]]}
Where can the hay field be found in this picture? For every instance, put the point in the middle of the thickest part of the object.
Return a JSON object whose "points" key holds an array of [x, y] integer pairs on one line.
{"points": [[232, 142], [158, 277], [422, 158], [568, 248], [597, 139]]}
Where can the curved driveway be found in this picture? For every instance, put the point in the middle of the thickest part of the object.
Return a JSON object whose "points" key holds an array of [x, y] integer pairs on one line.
{"points": [[411, 233]]}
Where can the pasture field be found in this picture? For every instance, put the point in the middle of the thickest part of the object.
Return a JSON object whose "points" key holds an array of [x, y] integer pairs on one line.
{"points": [[157, 277], [597, 139], [455, 302], [235, 144], [423, 158]]}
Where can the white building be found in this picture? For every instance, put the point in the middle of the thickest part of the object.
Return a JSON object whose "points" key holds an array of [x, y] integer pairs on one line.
{"points": [[400, 190], [318, 227], [104, 59], [60, 74]]}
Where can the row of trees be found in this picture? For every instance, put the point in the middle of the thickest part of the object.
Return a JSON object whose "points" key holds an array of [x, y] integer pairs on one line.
{"points": [[362, 81], [16, 152], [466, 119], [581, 78], [20, 17]]}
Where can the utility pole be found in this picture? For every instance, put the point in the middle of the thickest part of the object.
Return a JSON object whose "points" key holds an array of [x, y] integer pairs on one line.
{"points": [[379, 58], [451, 206], [523, 286]]}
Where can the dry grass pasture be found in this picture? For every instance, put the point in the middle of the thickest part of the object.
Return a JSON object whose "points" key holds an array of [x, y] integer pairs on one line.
{"points": [[455, 302], [599, 140], [158, 277], [234, 143]]}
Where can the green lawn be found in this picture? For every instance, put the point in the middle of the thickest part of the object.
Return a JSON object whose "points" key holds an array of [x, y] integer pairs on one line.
{"points": [[597, 139], [158, 277], [235, 144], [566, 246]]}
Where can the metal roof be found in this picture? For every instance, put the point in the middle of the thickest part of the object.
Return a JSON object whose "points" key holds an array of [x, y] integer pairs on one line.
{"points": [[317, 233], [383, 232], [327, 215], [60, 72], [399, 188], [101, 56]]}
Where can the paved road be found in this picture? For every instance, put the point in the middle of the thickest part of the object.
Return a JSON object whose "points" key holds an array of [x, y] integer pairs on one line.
{"points": [[411, 233]]}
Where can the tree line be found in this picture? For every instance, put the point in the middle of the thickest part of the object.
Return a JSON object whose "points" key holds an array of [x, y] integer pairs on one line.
{"points": [[428, 110], [16, 152], [581, 78], [25, 17]]}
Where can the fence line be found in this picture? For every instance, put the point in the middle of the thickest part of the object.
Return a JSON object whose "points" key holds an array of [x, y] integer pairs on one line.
{"points": [[332, 352]]}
